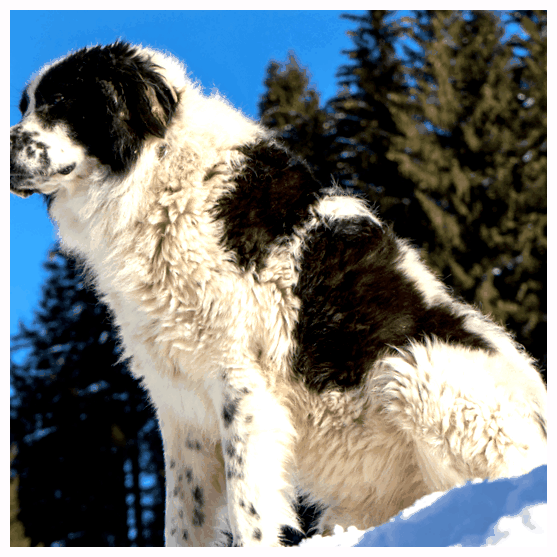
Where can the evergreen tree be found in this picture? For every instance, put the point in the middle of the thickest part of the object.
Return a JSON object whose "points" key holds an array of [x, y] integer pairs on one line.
{"points": [[479, 163], [75, 420], [291, 108], [371, 83]]}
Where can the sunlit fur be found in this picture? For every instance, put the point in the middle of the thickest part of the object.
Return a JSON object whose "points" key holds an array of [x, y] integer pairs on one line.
{"points": [[246, 427]]}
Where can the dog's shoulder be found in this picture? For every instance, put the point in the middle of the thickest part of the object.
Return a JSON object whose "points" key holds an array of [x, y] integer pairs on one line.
{"points": [[272, 194]]}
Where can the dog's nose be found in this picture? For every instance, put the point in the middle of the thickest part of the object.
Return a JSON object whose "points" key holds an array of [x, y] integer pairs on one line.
{"points": [[18, 138], [13, 135]]}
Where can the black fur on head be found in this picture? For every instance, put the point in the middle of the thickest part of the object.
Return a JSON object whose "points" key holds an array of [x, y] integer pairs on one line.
{"points": [[111, 98]]}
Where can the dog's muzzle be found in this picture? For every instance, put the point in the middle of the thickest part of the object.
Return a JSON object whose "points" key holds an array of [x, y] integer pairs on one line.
{"points": [[30, 164]]}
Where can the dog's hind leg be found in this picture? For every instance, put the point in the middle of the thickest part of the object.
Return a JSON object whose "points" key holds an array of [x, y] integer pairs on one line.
{"points": [[257, 439], [470, 413], [195, 484]]}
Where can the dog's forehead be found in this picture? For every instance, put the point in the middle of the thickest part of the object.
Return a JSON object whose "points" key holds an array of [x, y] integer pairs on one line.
{"points": [[28, 93], [83, 63], [69, 70], [96, 62]]}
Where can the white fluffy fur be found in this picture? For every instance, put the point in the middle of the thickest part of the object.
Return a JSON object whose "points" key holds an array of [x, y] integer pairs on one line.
{"points": [[429, 417]]}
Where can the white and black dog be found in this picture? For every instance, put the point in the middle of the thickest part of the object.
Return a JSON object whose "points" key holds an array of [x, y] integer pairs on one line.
{"points": [[291, 343]]}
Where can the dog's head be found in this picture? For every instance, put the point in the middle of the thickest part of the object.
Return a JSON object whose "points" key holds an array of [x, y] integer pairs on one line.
{"points": [[93, 108]]}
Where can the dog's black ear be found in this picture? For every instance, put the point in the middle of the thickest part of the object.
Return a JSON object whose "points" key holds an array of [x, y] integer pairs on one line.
{"points": [[140, 104], [146, 105], [157, 106]]}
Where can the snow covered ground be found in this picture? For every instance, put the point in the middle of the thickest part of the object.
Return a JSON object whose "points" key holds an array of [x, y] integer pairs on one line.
{"points": [[502, 513]]}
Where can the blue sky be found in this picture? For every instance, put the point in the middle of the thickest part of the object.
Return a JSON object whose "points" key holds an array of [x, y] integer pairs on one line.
{"points": [[229, 50]]}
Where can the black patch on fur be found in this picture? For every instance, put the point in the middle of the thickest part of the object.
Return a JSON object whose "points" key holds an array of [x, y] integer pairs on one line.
{"points": [[197, 493], [189, 475], [290, 536], [230, 450], [229, 541], [233, 472], [193, 445], [185, 535], [355, 303], [198, 518], [229, 411], [257, 535], [112, 97], [272, 195], [253, 512], [308, 516]]}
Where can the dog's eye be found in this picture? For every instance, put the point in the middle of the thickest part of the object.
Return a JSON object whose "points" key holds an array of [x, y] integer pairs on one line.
{"points": [[56, 99]]}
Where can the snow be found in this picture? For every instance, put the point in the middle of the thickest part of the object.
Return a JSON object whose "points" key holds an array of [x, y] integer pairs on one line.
{"points": [[503, 513]]}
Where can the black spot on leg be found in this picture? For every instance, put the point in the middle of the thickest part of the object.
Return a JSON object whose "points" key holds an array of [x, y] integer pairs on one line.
{"points": [[257, 535], [181, 513], [290, 537], [189, 475], [229, 540], [172, 463], [229, 411], [193, 445], [198, 518], [232, 473], [230, 450], [252, 511], [197, 493], [185, 535]]}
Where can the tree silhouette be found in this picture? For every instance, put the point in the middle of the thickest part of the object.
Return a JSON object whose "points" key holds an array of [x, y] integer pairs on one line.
{"points": [[77, 416]]}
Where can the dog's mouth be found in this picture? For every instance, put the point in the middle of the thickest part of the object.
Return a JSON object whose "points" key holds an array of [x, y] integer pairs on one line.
{"points": [[22, 193], [20, 181]]}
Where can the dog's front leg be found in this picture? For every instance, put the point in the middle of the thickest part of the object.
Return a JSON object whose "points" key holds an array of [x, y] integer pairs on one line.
{"points": [[257, 439], [195, 485]]}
